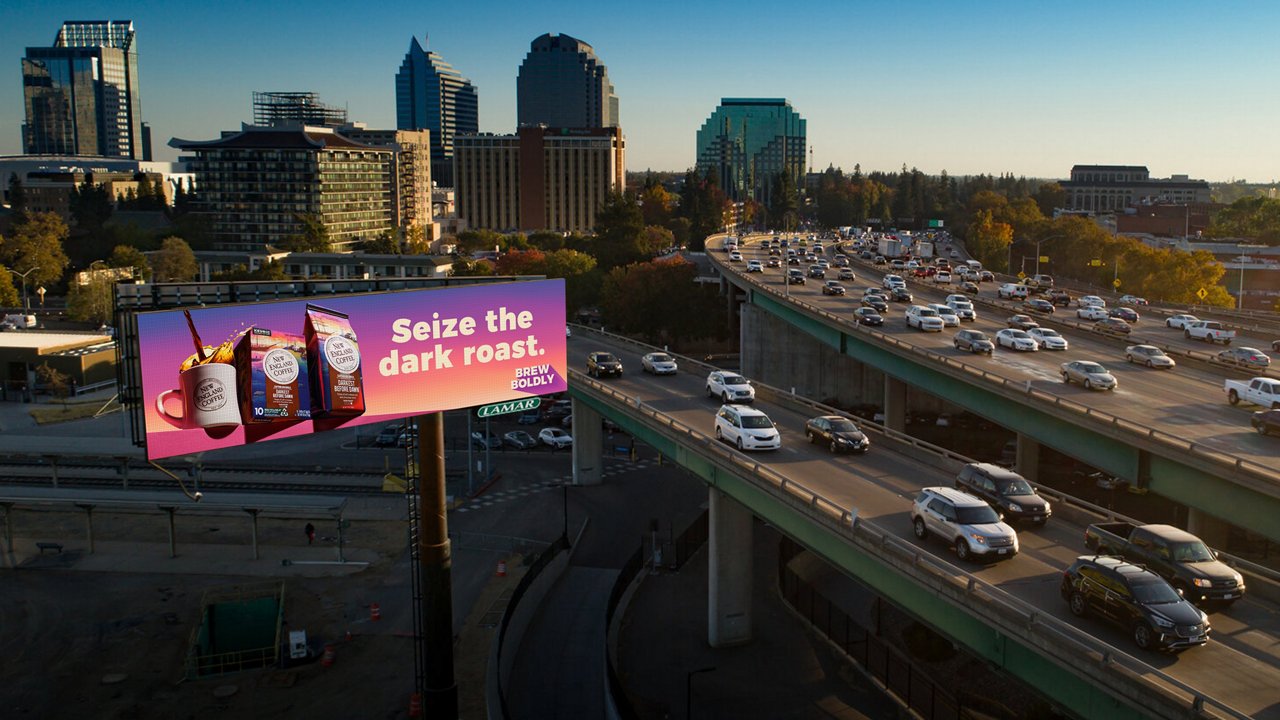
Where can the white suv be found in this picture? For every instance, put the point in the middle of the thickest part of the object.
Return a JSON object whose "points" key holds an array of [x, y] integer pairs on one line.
{"points": [[730, 387], [962, 308], [966, 522], [1013, 291], [924, 318], [747, 428]]}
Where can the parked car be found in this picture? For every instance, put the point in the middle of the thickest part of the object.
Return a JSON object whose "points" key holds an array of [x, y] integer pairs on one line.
{"points": [[839, 433], [1180, 321], [924, 318], [1022, 322], [746, 428], [1135, 599], [1005, 491], [868, 316], [482, 440], [730, 387], [1245, 357], [965, 522], [1173, 553], [1092, 312], [1266, 422], [1048, 338], [555, 437], [1016, 339], [529, 417], [386, 437], [519, 439], [1112, 325], [832, 287], [974, 341], [557, 409], [659, 363], [1089, 374], [603, 364], [1149, 355], [1126, 314]]}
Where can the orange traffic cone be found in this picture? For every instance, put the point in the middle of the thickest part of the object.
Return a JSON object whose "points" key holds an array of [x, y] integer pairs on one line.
{"points": [[327, 659], [375, 612], [415, 705], [502, 568]]}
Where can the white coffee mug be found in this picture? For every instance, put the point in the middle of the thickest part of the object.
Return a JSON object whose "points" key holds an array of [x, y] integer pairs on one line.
{"points": [[208, 398]]}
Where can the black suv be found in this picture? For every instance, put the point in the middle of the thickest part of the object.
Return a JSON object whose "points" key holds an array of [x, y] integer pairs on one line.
{"points": [[1156, 615], [1004, 490], [600, 364]]}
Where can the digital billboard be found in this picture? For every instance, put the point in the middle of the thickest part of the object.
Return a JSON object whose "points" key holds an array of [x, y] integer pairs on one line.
{"points": [[235, 374]]}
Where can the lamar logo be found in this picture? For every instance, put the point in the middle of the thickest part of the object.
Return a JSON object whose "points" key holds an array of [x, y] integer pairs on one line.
{"points": [[211, 395]]}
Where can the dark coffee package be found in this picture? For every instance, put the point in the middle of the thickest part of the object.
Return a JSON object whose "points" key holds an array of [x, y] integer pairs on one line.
{"points": [[333, 358], [271, 370]]}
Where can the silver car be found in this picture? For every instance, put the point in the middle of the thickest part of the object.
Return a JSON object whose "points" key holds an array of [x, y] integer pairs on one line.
{"points": [[658, 363], [1048, 338], [1016, 340], [1149, 355], [965, 522], [1089, 374]]}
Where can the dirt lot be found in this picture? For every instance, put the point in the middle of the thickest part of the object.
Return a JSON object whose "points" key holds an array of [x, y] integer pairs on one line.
{"points": [[84, 644]]}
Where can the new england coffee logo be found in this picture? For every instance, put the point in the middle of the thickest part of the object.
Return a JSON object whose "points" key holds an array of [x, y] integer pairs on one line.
{"points": [[211, 395], [343, 354], [280, 366]]}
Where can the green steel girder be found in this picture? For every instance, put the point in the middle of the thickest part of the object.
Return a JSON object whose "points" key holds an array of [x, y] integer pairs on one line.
{"points": [[1168, 477]]}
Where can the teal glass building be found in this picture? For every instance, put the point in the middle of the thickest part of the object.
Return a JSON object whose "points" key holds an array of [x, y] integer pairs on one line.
{"points": [[747, 142], [431, 95]]}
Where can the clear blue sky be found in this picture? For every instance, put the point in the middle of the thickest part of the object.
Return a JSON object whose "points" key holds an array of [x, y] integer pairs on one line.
{"points": [[1024, 87]]}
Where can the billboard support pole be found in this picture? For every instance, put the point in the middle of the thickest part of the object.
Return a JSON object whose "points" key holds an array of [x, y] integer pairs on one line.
{"points": [[440, 694]]}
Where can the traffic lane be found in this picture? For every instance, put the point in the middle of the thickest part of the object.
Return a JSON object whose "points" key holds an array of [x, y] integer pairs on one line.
{"points": [[876, 485]]}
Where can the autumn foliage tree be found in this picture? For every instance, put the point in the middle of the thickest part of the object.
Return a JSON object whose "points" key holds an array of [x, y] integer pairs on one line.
{"points": [[659, 302]]}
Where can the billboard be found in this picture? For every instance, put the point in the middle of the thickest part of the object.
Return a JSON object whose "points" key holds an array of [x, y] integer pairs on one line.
{"points": [[226, 376]]}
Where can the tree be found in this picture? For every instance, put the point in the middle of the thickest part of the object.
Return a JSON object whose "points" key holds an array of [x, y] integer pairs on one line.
{"points": [[174, 261], [656, 204], [1256, 218], [17, 196], [639, 299], [271, 270], [90, 205], [784, 203], [92, 301], [466, 268], [56, 381], [130, 257], [702, 202], [384, 244], [8, 291], [37, 243], [619, 232], [988, 241], [312, 235], [1049, 197]]}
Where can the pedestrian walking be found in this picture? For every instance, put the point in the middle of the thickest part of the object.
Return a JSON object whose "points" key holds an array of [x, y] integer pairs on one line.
{"points": [[311, 533]]}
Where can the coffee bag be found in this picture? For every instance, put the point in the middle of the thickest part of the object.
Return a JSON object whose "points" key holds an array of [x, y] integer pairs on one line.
{"points": [[333, 358], [271, 371]]}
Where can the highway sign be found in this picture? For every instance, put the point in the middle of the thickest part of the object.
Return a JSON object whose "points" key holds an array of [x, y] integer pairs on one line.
{"points": [[1115, 283], [1044, 258], [1022, 275], [1202, 293], [1095, 263], [510, 406]]}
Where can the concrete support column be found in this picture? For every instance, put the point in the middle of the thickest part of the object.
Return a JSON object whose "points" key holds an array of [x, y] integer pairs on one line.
{"points": [[88, 523], [53, 468], [173, 535], [1208, 528], [895, 404], [8, 526], [1028, 458], [588, 445], [729, 567], [253, 516]]}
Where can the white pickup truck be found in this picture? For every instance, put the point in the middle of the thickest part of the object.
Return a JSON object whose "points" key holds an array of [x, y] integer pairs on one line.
{"points": [[1209, 331], [1259, 391]]}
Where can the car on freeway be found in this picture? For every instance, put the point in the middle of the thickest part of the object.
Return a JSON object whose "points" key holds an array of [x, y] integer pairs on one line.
{"points": [[601, 364], [1048, 338], [482, 440], [962, 307], [839, 433], [1089, 374], [555, 437], [1266, 422], [1132, 300], [942, 277], [755, 266], [1016, 339], [794, 276], [1038, 305], [735, 256], [965, 522], [832, 287], [773, 262], [880, 260], [817, 271], [1005, 491], [949, 316], [810, 257], [1112, 325], [793, 261], [1013, 291], [868, 316], [1022, 322], [974, 341], [924, 318], [1149, 355], [986, 276], [1126, 314], [842, 261], [875, 302], [775, 250], [1090, 301], [519, 439], [845, 274], [1136, 599], [1246, 357], [890, 281], [1275, 345], [1059, 297], [659, 363], [746, 428], [1180, 321], [898, 264], [969, 286], [730, 387], [1092, 312]]}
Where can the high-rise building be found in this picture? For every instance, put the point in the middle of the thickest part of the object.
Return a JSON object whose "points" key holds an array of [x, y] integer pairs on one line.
{"points": [[411, 170], [747, 142], [563, 84], [431, 95], [295, 108], [258, 186], [81, 95], [539, 179]]}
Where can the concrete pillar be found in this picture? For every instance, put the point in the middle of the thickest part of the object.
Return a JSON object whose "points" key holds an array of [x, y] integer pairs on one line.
{"points": [[88, 523], [729, 566], [8, 526], [588, 445], [253, 516], [1208, 528], [895, 404], [1028, 458], [173, 537], [53, 468]]}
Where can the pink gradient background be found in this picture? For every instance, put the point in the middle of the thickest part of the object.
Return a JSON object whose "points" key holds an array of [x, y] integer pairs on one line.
{"points": [[165, 341]]}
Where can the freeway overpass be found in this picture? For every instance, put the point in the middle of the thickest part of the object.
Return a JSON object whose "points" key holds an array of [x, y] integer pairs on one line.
{"points": [[853, 511]]}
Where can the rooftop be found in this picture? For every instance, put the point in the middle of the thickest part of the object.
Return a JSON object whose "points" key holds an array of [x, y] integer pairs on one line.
{"points": [[47, 343]]}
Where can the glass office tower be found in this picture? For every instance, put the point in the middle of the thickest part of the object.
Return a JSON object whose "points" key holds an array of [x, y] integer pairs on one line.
{"points": [[81, 95], [747, 142], [431, 95], [563, 84]]}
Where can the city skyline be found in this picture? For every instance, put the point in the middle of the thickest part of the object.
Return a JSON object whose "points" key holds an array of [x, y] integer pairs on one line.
{"points": [[1008, 88]]}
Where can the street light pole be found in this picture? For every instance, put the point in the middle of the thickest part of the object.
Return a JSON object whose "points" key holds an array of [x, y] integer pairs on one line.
{"points": [[26, 305]]}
